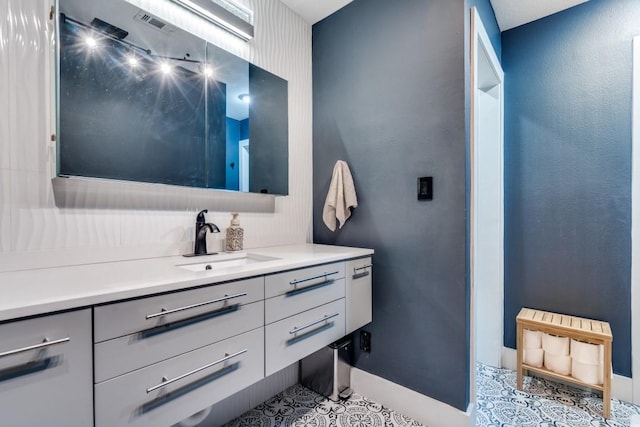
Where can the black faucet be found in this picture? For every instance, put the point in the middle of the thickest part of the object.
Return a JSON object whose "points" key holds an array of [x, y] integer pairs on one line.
{"points": [[201, 233]]}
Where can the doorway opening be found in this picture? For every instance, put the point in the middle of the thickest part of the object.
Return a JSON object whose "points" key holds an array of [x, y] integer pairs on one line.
{"points": [[243, 147]]}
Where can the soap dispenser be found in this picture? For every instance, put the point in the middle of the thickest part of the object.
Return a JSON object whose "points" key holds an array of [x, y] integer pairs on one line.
{"points": [[235, 235]]}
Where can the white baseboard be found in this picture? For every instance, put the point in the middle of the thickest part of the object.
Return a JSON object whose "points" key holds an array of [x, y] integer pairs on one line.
{"points": [[509, 358], [621, 386], [421, 408]]}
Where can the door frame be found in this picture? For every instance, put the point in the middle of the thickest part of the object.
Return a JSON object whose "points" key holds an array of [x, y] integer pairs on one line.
{"points": [[635, 224], [480, 40]]}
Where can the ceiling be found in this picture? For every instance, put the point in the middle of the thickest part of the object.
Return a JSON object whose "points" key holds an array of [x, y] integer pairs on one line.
{"points": [[513, 13], [509, 13], [315, 10]]}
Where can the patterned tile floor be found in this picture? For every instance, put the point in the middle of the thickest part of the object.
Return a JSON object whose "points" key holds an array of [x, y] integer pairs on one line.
{"points": [[300, 407], [542, 403]]}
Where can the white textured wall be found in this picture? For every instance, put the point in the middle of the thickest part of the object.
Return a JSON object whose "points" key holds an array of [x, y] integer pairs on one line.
{"points": [[35, 233]]}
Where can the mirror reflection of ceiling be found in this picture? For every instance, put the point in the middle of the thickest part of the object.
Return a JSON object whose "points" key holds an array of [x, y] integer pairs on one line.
{"points": [[509, 13], [171, 42]]}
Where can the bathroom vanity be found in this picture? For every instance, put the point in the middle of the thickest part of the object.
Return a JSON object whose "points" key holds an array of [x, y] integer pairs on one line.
{"points": [[151, 342]]}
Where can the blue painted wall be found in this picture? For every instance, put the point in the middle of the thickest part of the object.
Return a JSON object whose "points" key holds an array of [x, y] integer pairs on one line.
{"points": [[244, 129], [568, 167], [389, 98]]}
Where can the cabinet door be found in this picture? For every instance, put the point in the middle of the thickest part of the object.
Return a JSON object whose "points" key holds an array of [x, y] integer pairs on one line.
{"points": [[47, 383], [358, 291]]}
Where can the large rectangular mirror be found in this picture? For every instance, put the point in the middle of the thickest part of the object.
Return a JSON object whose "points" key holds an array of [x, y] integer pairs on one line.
{"points": [[141, 100]]}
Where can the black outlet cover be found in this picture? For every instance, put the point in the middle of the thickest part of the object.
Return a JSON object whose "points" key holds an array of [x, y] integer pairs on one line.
{"points": [[425, 188], [365, 341]]}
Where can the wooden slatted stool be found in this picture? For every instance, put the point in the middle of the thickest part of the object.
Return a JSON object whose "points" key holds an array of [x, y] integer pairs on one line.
{"points": [[591, 331]]}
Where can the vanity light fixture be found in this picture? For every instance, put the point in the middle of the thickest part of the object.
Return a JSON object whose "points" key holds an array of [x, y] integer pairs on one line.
{"points": [[91, 42], [207, 71], [165, 68], [226, 14], [135, 53], [133, 61]]}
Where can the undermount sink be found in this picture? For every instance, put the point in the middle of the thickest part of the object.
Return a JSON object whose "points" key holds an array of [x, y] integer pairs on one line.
{"points": [[226, 261]]}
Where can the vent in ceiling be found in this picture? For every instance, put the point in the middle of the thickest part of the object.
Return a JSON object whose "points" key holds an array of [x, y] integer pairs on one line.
{"points": [[154, 22]]}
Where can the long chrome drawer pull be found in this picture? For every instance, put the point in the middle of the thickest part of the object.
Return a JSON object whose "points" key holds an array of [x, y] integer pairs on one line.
{"points": [[44, 344], [319, 276], [364, 267], [189, 307], [308, 325], [165, 382]]}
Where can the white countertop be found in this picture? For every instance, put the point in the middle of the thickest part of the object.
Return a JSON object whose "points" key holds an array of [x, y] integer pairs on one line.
{"points": [[33, 292]]}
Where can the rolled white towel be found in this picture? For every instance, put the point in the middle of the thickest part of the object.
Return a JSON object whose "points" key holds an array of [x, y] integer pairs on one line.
{"points": [[533, 357], [587, 372], [585, 352], [532, 339], [555, 345], [558, 363]]}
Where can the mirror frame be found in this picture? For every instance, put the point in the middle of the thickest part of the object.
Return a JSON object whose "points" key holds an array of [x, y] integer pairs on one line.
{"points": [[98, 193]]}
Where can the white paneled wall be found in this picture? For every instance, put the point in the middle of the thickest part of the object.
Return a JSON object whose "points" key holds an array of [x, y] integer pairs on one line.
{"points": [[5, 209], [35, 233]]}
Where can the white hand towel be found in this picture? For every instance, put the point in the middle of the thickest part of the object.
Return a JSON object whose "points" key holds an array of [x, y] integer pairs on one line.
{"points": [[341, 196]]}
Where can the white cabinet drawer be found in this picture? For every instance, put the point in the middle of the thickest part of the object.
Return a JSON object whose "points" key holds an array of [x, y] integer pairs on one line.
{"points": [[116, 320], [281, 283], [125, 354], [358, 299], [125, 400], [50, 386], [299, 300], [293, 338]]}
